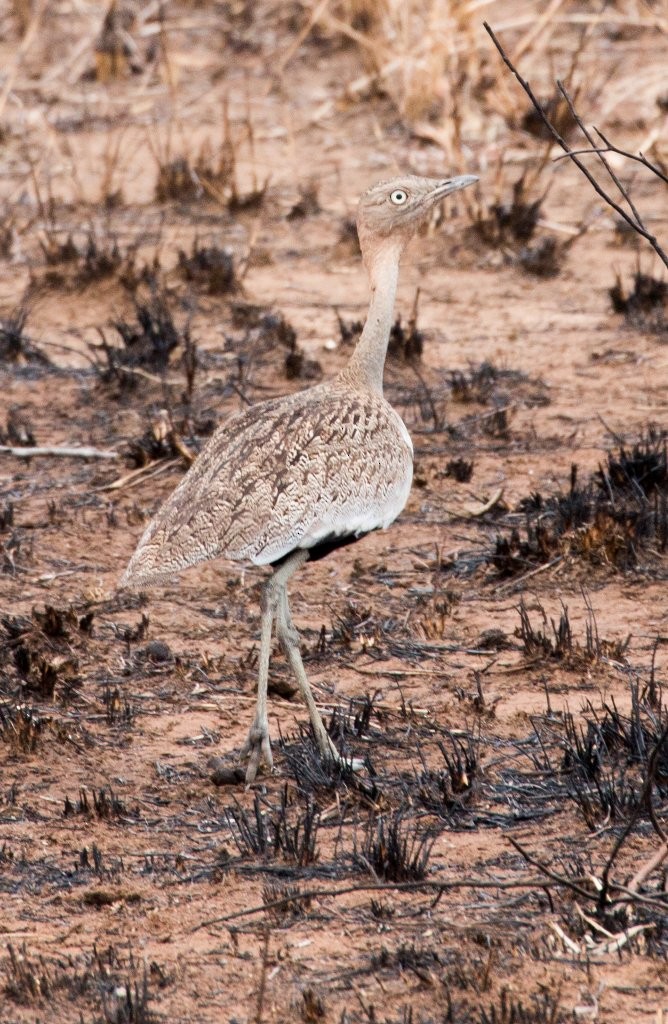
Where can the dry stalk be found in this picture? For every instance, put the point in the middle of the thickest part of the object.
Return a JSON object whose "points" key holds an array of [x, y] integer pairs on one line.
{"points": [[633, 219], [24, 46], [425, 885]]}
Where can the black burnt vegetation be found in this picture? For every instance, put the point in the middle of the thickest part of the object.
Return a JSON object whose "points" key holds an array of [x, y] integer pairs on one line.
{"points": [[115, 985], [267, 338], [617, 518], [168, 438], [611, 754], [643, 304], [16, 346], [394, 849], [41, 652], [72, 261], [212, 173], [147, 344], [510, 225], [308, 204], [406, 339], [285, 831], [209, 269], [426, 397], [451, 791], [552, 639], [488, 394]]}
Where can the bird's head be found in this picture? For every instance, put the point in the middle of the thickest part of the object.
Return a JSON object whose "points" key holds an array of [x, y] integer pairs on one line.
{"points": [[390, 213]]}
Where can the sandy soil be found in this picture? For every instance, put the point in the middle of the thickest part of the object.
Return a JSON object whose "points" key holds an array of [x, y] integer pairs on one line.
{"points": [[458, 876]]}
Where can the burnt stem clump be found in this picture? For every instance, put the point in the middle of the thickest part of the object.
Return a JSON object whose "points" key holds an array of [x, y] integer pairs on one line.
{"points": [[15, 345], [146, 345], [394, 849], [272, 832], [610, 520], [645, 305]]}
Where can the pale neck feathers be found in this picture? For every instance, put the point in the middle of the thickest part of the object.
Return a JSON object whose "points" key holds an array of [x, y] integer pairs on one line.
{"points": [[365, 368]]}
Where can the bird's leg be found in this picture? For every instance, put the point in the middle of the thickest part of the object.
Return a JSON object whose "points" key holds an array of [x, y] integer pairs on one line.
{"points": [[258, 745], [289, 640]]}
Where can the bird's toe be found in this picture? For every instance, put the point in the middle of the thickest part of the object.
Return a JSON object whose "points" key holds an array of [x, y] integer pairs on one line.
{"points": [[257, 748]]}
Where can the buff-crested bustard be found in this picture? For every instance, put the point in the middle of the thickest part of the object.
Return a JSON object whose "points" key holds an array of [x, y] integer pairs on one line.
{"points": [[293, 478]]}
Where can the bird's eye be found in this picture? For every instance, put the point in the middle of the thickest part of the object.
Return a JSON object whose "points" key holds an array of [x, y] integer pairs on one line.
{"points": [[399, 197]]}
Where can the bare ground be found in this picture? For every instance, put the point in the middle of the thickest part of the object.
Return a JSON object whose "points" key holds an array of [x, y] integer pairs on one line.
{"points": [[501, 669]]}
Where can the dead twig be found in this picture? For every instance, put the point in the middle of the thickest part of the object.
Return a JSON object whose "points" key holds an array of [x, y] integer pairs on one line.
{"points": [[644, 804], [568, 883], [648, 867], [610, 147], [633, 219], [421, 886], [262, 987], [65, 452], [517, 583], [474, 512], [136, 476]]}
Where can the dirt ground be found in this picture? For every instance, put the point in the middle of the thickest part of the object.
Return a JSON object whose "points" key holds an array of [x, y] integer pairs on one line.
{"points": [[176, 242]]}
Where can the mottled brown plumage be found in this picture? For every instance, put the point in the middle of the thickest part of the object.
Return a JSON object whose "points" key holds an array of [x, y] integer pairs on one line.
{"points": [[281, 475], [287, 479]]}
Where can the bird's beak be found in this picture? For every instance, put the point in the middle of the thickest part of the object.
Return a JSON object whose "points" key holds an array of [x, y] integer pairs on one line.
{"points": [[444, 188]]}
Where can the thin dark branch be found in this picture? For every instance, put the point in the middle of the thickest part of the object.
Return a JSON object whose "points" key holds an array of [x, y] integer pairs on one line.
{"points": [[549, 873], [590, 139], [644, 804], [639, 157], [423, 886], [610, 147], [637, 226]]}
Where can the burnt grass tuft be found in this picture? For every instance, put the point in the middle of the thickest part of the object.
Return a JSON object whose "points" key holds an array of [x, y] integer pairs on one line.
{"points": [[73, 263], [116, 986], [394, 848], [406, 342], [15, 344], [510, 225], [609, 756], [619, 513], [553, 639], [39, 652], [644, 306], [210, 269], [450, 791], [148, 343], [285, 831]]}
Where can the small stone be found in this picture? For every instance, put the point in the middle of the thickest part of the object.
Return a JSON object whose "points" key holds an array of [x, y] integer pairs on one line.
{"points": [[157, 650], [223, 775]]}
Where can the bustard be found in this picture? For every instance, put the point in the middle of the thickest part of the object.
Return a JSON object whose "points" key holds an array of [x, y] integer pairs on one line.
{"points": [[293, 478]]}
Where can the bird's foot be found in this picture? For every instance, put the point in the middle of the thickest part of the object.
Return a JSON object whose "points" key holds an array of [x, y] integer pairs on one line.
{"points": [[350, 764], [257, 748], [331, 754]]}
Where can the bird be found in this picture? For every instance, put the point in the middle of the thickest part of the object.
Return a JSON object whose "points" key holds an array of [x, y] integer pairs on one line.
{"points": [[289, 480]]}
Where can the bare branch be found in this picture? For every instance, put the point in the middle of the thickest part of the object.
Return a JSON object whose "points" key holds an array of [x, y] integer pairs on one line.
{"points": [[66, 453], [590, 139], [610, 147], [639, 157], [634, 221], [423, 886]]}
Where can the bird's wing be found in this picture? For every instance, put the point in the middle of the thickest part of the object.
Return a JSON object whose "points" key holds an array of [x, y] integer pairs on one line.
{"points": [[282, 475]]}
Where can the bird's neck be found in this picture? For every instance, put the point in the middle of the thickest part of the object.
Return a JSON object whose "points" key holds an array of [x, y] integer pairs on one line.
{"points": [[366, 365]]}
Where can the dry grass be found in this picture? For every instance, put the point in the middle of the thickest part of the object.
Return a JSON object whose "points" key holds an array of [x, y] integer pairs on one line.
{"points": [[500, 708]]}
